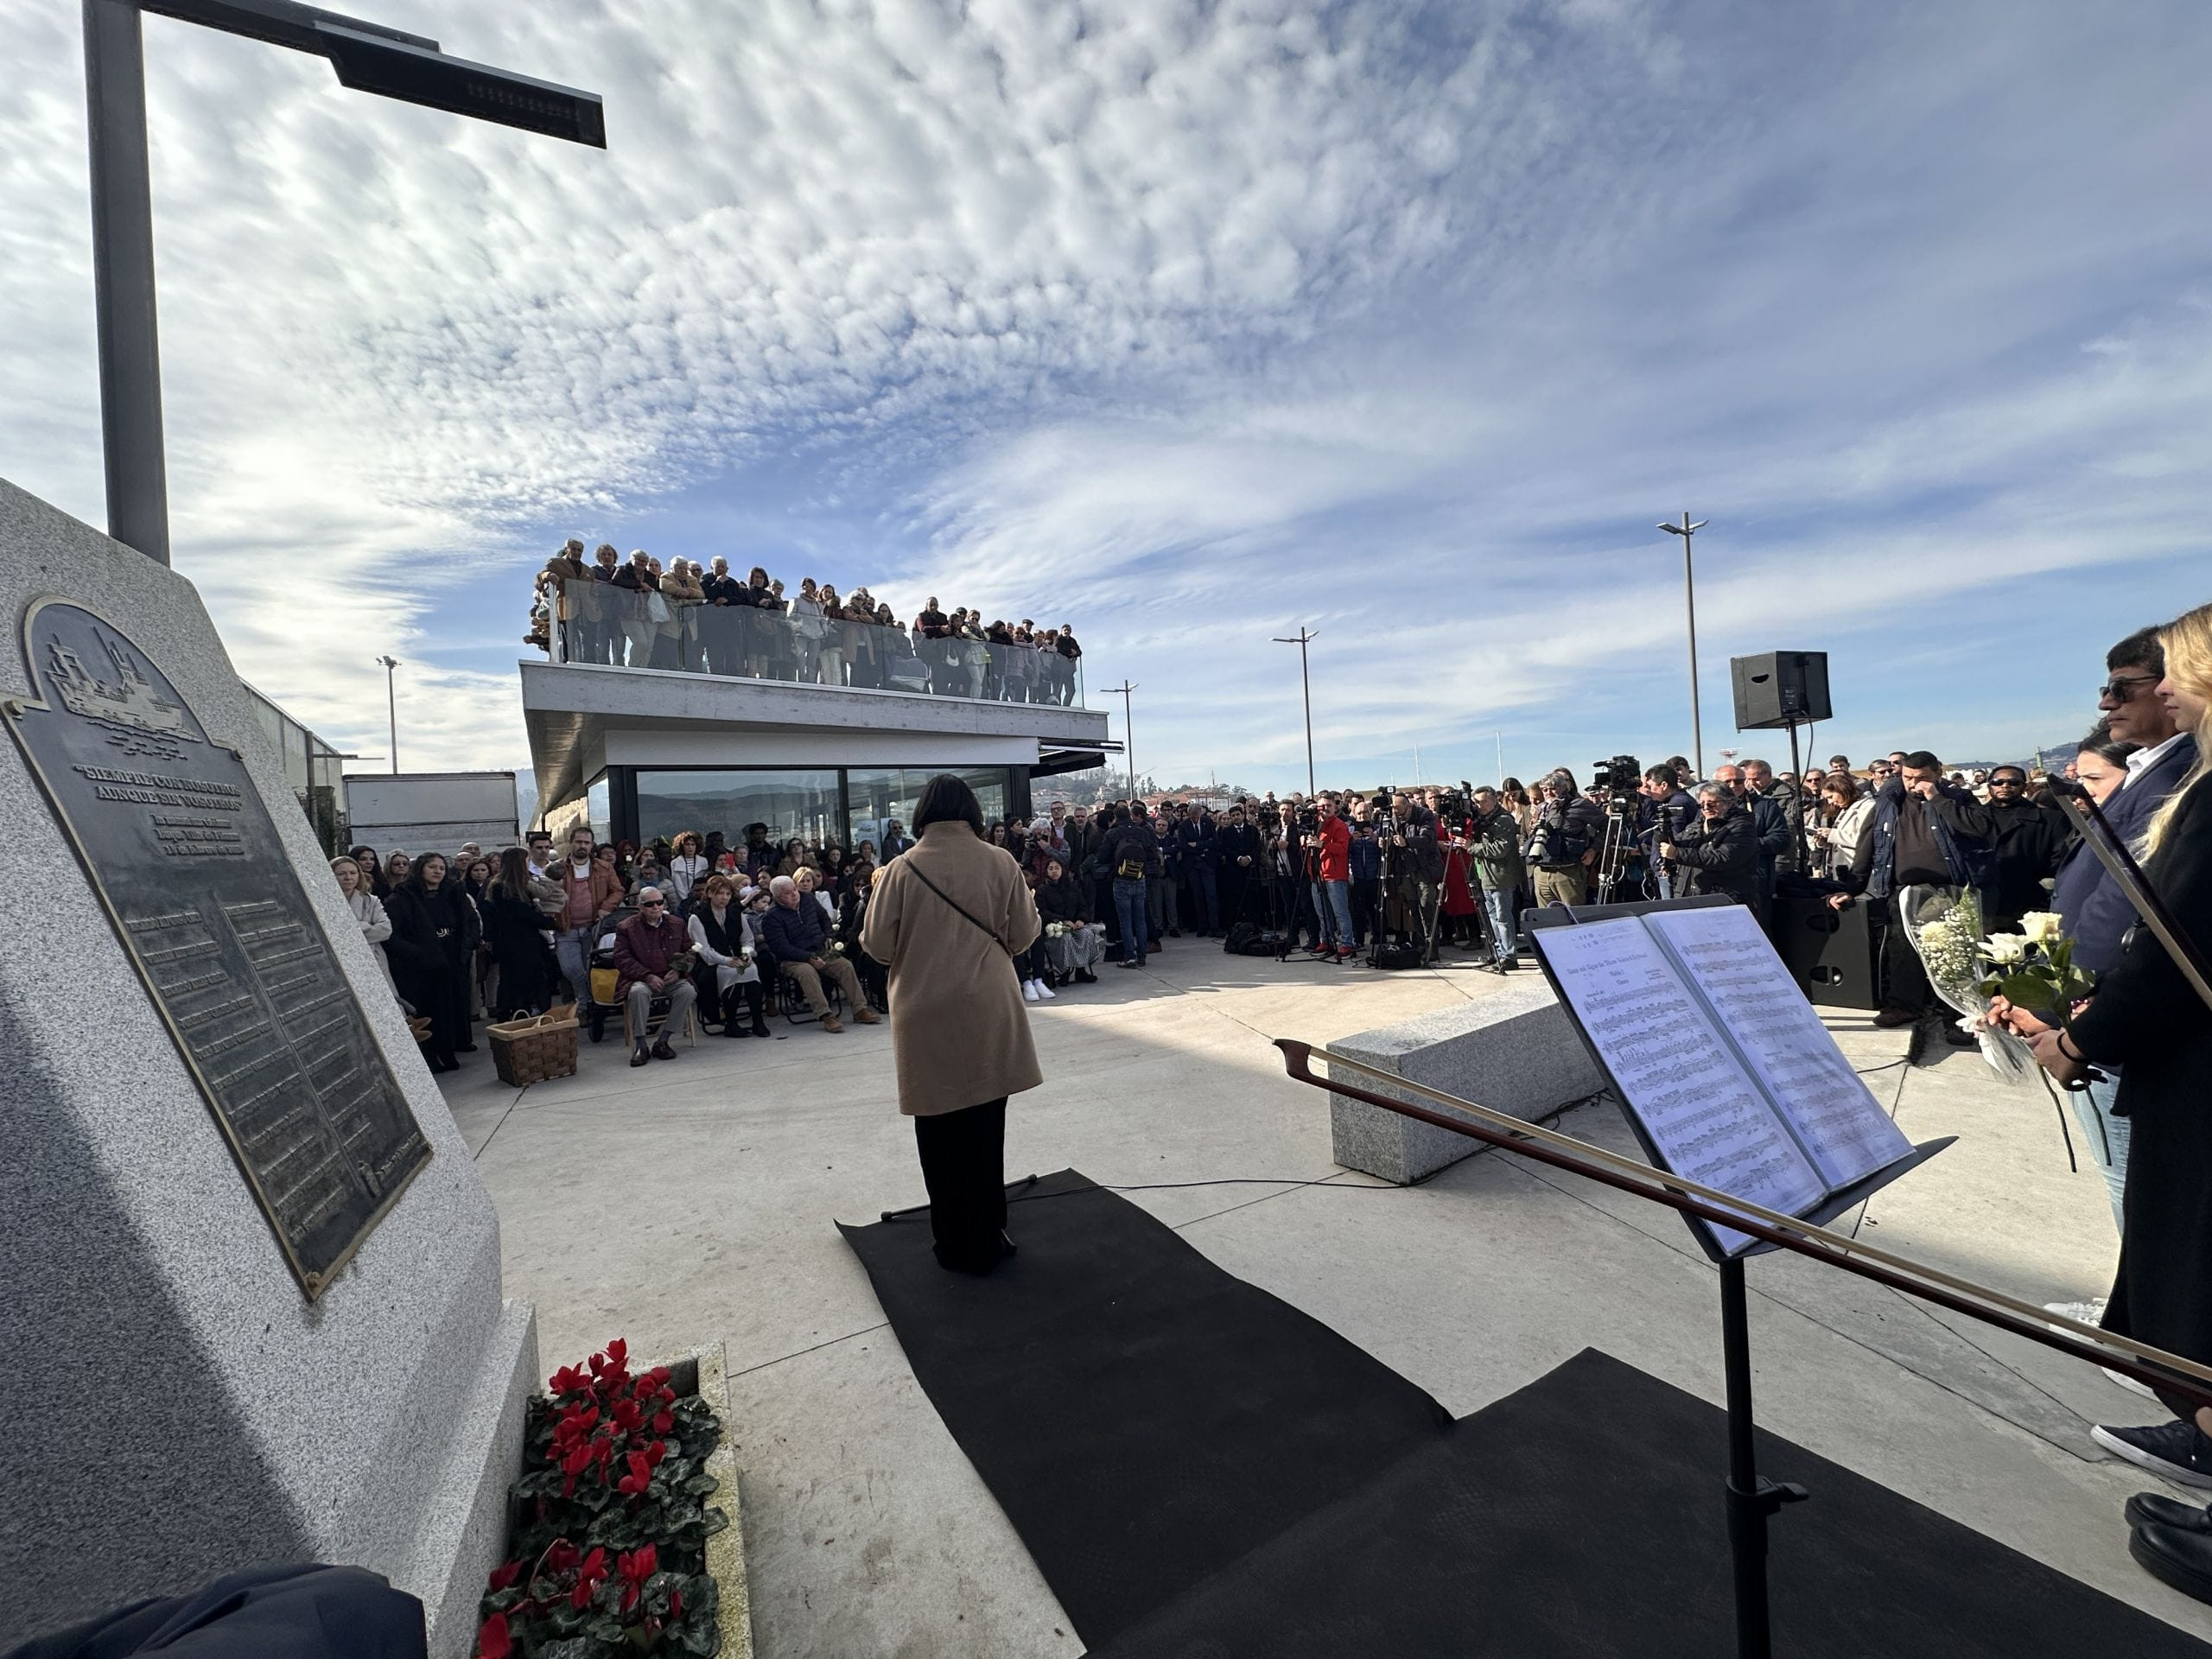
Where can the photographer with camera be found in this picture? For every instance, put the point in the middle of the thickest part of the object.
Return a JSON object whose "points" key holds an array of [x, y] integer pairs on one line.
{"points": [[1720, 852], [1494, 842], [1563, 843], [1418, 862], [1293, 871], [1328, 849], [1366, 860], [1667, 812]]}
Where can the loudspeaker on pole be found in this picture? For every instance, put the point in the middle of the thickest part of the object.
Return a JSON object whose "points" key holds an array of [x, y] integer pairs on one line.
{"points": [[1779, 689]]}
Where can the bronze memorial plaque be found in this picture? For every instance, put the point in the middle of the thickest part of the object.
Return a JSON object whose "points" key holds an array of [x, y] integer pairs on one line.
{"points": [[187, 862]]}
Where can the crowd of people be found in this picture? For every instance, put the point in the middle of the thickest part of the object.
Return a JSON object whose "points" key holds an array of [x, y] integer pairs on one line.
{"points": [[703, 922], [705, 619]]}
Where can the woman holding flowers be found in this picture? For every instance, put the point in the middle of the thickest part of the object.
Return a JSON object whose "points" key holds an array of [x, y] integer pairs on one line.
{"points": [[2146, 1019]]}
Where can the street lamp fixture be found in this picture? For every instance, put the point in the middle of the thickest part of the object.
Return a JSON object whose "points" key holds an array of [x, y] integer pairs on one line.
{"points": [[368, 57]]}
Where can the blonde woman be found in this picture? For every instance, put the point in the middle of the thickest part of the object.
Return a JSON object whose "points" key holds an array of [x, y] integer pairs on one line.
{"points": [[368, 910], [2146, 1021]]}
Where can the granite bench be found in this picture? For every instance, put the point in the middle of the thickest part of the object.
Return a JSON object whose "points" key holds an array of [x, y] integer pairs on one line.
{"points": [[1514, 1050]]}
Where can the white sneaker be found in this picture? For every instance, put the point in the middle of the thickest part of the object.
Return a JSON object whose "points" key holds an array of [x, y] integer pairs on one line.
{"points": [[1029, 990], [2092, 1313], [2084, 1312], [1044, 991]]}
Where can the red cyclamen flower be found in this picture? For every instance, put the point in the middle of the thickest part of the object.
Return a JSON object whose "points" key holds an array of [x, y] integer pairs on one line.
{"points": [[503, 1577], [635, 1568], [494, 1642]]}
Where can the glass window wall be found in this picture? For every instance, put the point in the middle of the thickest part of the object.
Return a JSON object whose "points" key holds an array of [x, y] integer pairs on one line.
{"points": [[877, 795], [794, 803]]}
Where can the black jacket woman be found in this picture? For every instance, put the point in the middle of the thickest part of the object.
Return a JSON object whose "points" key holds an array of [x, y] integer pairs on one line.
{"points": [[2146, 1019], [852, 917], [513, 929], [429, 950], [1720, 852]]}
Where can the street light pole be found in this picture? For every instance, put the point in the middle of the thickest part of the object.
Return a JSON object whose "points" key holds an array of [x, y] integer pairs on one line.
{"points": [[1686, 530], [367, 57], [1128, 733], [391, 705], [1302, 639]]}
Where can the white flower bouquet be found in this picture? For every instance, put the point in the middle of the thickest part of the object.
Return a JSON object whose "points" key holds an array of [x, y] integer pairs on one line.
{"points": [[1945, 927], [2034, 968]]}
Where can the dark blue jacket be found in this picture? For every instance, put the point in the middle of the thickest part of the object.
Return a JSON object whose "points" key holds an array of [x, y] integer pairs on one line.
{"points": [[1963, 831], [2097, 914], [795, 935], [1366, 856]]}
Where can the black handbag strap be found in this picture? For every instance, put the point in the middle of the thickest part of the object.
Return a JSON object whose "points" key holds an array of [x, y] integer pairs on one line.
{"points": [[956, 905]]}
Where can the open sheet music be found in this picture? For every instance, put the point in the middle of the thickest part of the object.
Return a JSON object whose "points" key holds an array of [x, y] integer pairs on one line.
{"points": [[1732, 1075]]}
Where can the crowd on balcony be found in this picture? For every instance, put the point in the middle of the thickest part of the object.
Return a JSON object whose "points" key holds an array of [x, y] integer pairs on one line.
{"points": [[699, 619]]}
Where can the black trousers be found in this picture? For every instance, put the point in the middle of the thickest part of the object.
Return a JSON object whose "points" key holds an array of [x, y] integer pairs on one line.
{"points": [[1904, 978], [964, 1165]]}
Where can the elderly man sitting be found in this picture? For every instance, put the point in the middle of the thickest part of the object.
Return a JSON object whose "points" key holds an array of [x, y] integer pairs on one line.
{"points": [[798, 936], [646, 951]]}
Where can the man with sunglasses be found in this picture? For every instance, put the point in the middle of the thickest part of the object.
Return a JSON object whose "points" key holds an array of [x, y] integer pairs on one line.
{"points": [[2029, 836], [645, 946], [2097, 913]]}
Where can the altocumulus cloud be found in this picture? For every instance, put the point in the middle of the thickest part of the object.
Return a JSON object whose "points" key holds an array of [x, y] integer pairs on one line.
{"points": [[1184, 322]]}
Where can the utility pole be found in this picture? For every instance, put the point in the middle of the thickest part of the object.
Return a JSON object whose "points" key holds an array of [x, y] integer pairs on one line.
{"points": [[365, 56], [1500, 737], [1686, 530], [1128, 733], [1302, 639], [391, 703]]}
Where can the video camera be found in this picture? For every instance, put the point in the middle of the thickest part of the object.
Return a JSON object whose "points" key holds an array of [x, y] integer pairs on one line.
{"points": [[1618, 777]]}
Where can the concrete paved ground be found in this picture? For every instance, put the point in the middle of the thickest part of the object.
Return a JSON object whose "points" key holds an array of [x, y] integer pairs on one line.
{"points": [[693, 1201]]}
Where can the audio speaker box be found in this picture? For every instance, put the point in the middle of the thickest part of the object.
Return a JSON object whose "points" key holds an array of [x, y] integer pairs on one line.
{"points": [[1782, 688], [1831, 953]]}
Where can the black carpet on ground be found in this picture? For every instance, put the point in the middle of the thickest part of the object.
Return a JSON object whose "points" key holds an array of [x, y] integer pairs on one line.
{"points": [[1143, 1418], [1201, 1471]]}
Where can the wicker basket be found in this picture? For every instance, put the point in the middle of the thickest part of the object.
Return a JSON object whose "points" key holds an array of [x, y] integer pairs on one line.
{"points": [[525, 1051]]}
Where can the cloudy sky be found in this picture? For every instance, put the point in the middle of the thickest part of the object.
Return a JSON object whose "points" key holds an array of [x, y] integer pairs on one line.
{"points": [[1187, 323]]}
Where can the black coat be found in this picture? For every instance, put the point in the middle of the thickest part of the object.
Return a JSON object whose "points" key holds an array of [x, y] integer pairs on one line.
{"points": [[1721, 857], [1063, 901], [428, 943], [2030, 838], [2146, 1018], [512, 928], [1234, 841]]}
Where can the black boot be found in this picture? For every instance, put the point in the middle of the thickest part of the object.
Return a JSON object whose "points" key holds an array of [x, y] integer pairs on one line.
{"points": [[756, 1000]]}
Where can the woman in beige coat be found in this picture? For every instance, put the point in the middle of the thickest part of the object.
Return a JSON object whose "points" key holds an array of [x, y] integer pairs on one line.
{"points": [[948, 918]]}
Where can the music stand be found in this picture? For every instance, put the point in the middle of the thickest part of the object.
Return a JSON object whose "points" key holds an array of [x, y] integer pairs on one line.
{"points": [[1751, 1498]]}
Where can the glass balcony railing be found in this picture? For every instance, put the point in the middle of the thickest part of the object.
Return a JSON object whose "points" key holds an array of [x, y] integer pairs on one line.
{"points": [[625, 627]]}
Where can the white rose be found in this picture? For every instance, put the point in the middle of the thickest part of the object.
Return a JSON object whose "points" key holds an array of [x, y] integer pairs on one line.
{"points": [[2005, 947], [2042, 927]]}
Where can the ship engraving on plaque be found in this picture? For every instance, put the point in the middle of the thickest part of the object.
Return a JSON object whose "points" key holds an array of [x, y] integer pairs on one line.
{"points": [[188, 864]]}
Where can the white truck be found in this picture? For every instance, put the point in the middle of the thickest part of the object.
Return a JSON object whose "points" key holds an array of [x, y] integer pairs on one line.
{"points": [[418, 812]]}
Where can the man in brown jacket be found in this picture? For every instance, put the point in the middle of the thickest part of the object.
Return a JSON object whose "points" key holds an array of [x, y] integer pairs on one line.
{"points": [[949, 918], [593, 891]]}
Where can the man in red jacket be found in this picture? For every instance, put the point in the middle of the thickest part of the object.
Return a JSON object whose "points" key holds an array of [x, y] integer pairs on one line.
{"points": [[1332, 840], [645, 947]]}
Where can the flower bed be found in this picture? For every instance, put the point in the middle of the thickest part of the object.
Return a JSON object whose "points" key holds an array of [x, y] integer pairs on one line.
{"points": [[611, 1520]]}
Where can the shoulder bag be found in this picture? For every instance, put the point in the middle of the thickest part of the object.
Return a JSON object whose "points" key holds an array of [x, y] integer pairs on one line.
{"points": [[916, 869]]}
